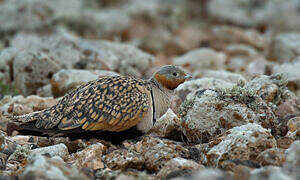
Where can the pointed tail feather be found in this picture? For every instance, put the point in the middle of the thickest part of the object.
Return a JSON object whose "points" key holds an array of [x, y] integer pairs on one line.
{"points": [[35, 121]]}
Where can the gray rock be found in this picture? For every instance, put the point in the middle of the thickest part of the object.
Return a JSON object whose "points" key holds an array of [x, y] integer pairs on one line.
{"points": [[67, 79], [244, 142], [42, 167], [272, 89], [60, 150], [211, 112], [286, 47]]}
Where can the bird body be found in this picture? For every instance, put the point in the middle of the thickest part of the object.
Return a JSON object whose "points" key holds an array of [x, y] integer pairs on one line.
{"points": [[109, 104]]}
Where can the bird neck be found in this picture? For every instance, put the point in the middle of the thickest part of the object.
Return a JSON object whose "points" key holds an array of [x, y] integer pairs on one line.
{"points": [[161, 97]]}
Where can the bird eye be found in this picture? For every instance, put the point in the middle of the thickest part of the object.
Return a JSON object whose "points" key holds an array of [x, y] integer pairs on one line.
{"points": [[175, 74]]}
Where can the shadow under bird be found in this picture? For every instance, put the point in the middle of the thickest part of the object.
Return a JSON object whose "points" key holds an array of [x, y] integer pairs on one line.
{"points": [[113, 108]]}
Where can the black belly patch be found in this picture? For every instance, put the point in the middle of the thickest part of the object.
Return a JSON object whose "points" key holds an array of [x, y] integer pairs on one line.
{"points": [[78, 133]]}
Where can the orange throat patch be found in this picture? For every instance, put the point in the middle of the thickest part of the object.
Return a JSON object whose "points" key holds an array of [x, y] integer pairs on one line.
{"points": [[168, 83]]}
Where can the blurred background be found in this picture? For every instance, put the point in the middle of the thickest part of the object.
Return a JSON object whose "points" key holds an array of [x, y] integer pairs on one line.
{"points": [[49, 47]]}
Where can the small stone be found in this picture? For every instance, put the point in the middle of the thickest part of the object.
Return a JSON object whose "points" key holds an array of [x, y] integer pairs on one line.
{"points": [[291, 71], [123, 159], [269, 172], [293, 127], [274, 156], [168, 126], [60, 150], [158, 151], [245, 142], [90, 157], [210, 174], [41, 167], [176, 164]]}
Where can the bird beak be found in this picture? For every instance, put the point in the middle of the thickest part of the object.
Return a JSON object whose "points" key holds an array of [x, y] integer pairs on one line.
{"points": [[187, 76]]}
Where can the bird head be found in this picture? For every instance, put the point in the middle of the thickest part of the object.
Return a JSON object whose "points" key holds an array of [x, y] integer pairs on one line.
{"points": [[170, 76]]}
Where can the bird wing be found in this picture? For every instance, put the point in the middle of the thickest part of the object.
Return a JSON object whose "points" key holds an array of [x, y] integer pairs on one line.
{"points": [[108, 104]]}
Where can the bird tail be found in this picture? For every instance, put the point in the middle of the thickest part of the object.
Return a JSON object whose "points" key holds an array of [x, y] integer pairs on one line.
{"points": [[31, 122]]}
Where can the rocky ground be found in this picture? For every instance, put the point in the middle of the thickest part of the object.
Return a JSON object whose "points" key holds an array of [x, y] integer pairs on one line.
{"points": [[238, 118]]}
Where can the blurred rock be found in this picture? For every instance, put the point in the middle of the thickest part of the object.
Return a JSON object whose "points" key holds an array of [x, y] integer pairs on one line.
{"points": [[32, 70], [45, 91], [107, 23], [288, 109], [245, 142], [212, 112], [276, 14], [259, 66], [293, 160], [201, 59], [211, 174], [239, 56], [124, 159], [285, 47], [36, 58], [19, 105], [6, 59], [168, 126], [67, 79], [34, 14], [158, 151], [60, 150], [291, 71], [90, 157], [225, 35], [274, 156], [269, 172], [224, 75], [177, 164], [42, 167]]}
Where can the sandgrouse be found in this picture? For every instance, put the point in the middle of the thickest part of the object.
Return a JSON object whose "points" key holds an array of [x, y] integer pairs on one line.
{"points": [[106, 105]]}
